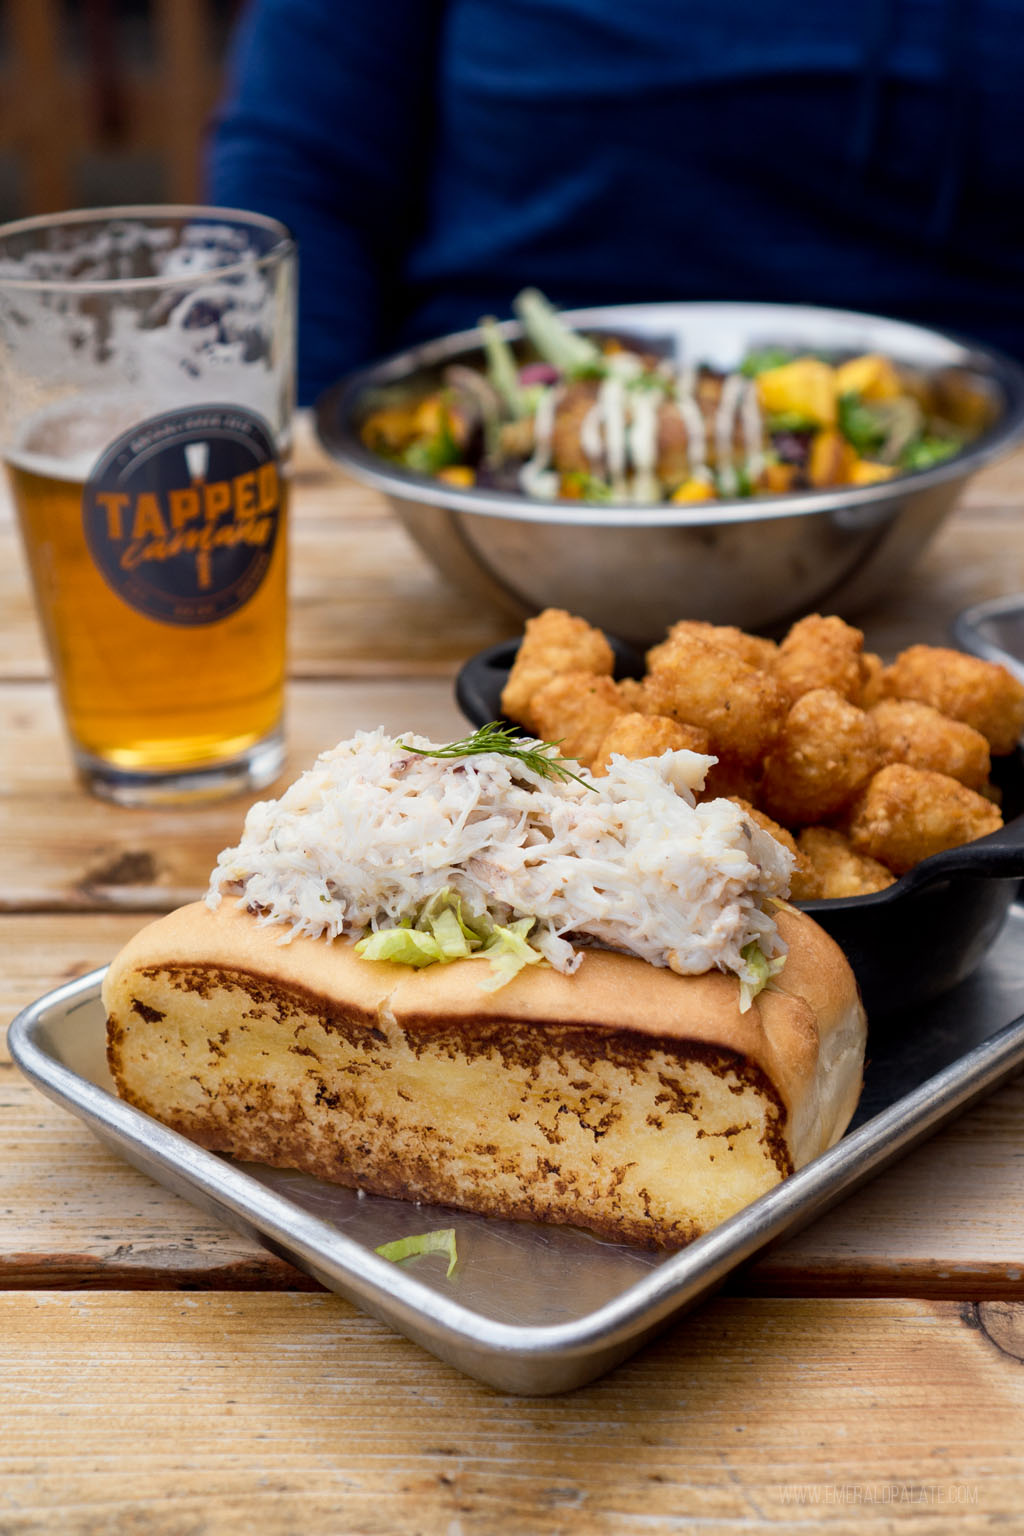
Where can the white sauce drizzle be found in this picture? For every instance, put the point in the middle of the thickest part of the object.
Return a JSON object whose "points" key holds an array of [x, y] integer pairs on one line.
{"points": [[592, 438], [612, 400], [725, 426], [536, 478], [693, 421], [643, 443], [753, 430]]}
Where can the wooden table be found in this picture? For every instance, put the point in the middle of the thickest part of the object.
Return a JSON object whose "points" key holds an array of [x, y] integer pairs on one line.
{"points": [[162, 1375]]}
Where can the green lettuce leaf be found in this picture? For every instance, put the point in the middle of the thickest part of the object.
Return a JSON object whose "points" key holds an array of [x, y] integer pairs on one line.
{"points": [[440, 1241], [763, 969]]}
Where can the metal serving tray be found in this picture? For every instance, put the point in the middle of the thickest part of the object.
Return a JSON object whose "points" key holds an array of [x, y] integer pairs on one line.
{"points": [[534, 1309]]}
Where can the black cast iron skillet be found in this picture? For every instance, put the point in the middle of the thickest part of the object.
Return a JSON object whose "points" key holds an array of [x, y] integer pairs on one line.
{"points": [[906, 944]]}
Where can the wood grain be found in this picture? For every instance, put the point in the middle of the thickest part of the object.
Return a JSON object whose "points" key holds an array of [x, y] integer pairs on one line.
{"points": [[947, 1221], [166, 1414]]}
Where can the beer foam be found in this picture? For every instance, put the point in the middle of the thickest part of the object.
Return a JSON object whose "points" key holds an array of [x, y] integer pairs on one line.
{"points": [[174, 341]]}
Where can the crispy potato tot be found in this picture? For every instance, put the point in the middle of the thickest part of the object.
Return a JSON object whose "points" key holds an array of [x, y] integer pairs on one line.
{"points": [[821, 653], [871, 669], [825, 755], [907, 814], [728, 779], [837, 869], [753, 649], [909, 732], [633, 695], [804, 882], [740, 707], [636, 735], [980, 693], [577, 710], [553, 642]]}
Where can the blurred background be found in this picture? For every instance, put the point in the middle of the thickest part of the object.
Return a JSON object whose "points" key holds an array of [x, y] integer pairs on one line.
{"points": [[106, 101]]}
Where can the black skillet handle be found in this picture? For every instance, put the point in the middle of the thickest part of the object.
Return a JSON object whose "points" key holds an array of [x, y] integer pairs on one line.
{"points": [[999, 855]]}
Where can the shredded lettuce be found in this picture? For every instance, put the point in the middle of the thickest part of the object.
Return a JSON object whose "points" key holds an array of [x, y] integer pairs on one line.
{"points": [[761, 359], [789, 421], [573, 355], [502, 370], [587, 487], [927, 451], [863, 427], [440, 933], [440, 1241], [763, 970], [429, 454]]}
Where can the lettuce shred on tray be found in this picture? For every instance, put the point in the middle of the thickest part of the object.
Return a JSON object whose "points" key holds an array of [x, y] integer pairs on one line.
{"points": [[501, 853], [590, 419]]}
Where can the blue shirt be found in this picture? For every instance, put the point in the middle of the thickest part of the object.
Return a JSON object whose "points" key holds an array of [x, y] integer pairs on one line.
{"points": [[435, 156]]}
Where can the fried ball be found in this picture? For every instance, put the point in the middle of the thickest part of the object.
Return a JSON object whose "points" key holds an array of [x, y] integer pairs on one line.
{"points": [[567, 452], [804, 883], [906, 814], [752, 649], [633, 695], [728, 779], [697, 683], [917, 734], [838, 870], [980, 693], [636, 735], [871, 669], [577, 710], [820, 653], [553, 642], [825, 755]]}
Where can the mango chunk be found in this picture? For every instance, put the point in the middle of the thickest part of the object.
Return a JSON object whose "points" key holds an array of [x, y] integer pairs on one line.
{"points": [[806, 386], [872, 376]]}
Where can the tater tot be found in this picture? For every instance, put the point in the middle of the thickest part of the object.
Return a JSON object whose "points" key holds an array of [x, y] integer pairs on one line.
{"points": [[909, 732], [753, 649], [907, 814], [804, 882], [837, 869], [633, 695], [740, 707], [577, 710], [636, 735], [827, 751], [553, 642], [820, 653], [871, 669], [728, 779], [980, 693]]}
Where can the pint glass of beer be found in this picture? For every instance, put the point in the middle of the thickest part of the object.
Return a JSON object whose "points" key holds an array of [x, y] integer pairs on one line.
{"points": [[146, 392]]}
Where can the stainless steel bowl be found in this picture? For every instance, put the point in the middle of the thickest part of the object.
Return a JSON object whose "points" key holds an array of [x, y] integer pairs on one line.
{"points": [[634, 569]]}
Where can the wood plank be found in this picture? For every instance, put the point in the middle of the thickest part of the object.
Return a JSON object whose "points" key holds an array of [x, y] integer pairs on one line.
{"points": [[161, 1414], [64, 850], [947, 1221]]}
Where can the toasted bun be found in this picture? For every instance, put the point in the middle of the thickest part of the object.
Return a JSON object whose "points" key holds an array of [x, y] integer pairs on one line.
{"points": [[625, 1099]]}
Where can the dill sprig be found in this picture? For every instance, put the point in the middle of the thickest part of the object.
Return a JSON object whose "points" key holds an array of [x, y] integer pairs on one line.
{"points": [[543, 757]]}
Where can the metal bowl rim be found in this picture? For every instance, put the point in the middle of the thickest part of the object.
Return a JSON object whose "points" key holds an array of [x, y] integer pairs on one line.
{"points": [[334, 413]]}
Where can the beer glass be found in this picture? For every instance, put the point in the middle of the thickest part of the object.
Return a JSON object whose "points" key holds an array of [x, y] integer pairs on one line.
{"points": [[146, 395]]}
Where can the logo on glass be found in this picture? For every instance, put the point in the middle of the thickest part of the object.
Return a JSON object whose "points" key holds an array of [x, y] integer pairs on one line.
{"points": [[181, 513]]}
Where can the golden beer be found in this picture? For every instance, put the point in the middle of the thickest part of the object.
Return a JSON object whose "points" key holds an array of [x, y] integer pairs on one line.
{"points": [[139, 693], [147, 366]]}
